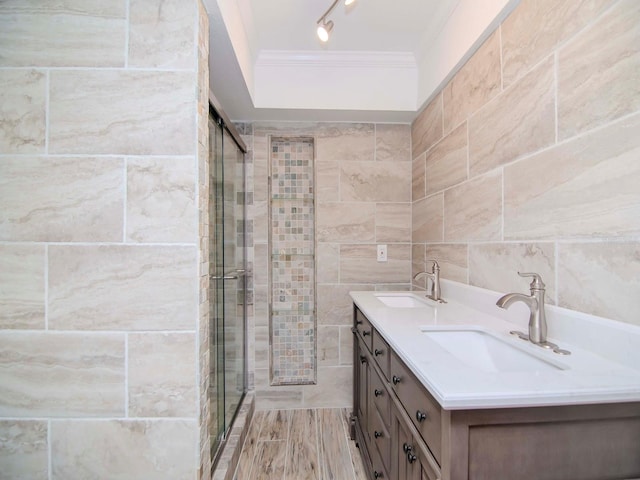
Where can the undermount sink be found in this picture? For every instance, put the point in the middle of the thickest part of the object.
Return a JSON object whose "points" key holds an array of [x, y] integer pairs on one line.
{"points": [[486, 352], [401, 301]]}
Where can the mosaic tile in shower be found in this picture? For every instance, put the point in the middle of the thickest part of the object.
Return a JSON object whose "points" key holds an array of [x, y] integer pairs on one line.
{"points": [[292, 262]]}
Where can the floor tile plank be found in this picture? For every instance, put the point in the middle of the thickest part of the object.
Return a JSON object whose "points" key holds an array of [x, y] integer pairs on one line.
{"points": [[270, 462], [334, 453], [250, 447], [302, 459], [275, 425]]}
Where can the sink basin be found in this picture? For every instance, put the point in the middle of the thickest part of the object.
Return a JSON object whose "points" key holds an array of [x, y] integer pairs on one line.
{"points": [[402, 301], [488, 353]]}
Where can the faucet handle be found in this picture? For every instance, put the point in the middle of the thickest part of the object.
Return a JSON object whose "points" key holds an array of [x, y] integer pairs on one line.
{"points": [[435, 265], [536, 283]]}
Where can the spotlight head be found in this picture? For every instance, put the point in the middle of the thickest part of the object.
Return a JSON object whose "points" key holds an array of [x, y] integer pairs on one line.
{"points": [[324, 29], [348, 2]]}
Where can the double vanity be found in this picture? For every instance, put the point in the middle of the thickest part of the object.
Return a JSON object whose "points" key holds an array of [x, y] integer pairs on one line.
{"points": [[446, 391]]}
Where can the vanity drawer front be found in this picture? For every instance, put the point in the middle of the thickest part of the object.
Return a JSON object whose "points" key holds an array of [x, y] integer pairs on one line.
{"points": [[381, 353], [364, 328], [381, 438], [380, 397], [421, 408]]}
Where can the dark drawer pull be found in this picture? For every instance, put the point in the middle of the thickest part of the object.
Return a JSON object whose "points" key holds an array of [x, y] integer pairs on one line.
{"points": [[377, 392], [363, 359], [377, 434], [420, 416], [377, 474], [377, 352], [407, 448], [396, 380], [366, 332], [358, 322], [411, 457]]}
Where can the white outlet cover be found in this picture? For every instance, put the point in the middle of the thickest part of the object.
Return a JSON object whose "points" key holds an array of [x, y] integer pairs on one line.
{"points": [[382, 253]]}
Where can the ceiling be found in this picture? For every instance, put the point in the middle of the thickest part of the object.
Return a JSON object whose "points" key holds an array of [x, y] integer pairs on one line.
{"points": [[383, 61]]}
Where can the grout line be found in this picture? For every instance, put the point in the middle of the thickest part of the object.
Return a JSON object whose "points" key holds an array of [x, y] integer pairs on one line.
{"points": [[468, 152], [555, 93], [46, 287], [126, 32], [47, 112], [125, 187], [126, 375], [501, 58], [557, 274], [502, 203], [49, 454]]}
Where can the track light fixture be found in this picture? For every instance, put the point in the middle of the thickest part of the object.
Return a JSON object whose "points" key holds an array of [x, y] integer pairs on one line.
{"points": [[324, 26]]}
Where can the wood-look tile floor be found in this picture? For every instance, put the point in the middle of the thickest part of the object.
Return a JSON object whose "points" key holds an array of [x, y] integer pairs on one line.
{"points": [[300, 445]]}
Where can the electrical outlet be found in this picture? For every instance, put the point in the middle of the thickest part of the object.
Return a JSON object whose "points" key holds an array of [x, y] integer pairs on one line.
{"points": [[382, 253]]}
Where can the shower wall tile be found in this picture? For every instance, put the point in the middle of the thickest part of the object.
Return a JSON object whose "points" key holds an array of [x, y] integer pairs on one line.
{"points": [[23, 449], [393, 222], [452, 258], [603, 163], [46, 374], [477, 82], [358, 264], [124, 449], [346, 142], [79, 199], [22, 108], [381, 182], [447, 161], [22, 286], [161, 377], [262, 347], [418, 179], [161, 200], [426, 219], [335, 306], [157, 292], [74, 33], [103, 112], [327, 181], [598, 71], [393, 143], [327, 263], [346, 222], [328, 346], [161, 34], [329, 391], [418, 259], [269, 397], [346, 345], [427, 128]]}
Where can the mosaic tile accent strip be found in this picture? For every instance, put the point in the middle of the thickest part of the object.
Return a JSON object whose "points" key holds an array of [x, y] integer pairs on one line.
{"points": [[292, 263]]}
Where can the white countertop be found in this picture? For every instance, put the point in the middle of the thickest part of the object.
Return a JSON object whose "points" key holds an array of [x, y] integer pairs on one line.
{"points": [[604, 365]]}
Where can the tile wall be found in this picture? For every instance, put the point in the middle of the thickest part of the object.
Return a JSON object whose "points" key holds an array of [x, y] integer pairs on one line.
{"points": [[102, 145], [529, 159]]}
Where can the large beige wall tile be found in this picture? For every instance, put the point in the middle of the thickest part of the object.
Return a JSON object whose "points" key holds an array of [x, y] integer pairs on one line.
{"points": [[327, 181], [346, 142], [418, 259], [162, 380], [78, 199], [45, 374], [427, 219], [161, 34], [358, 264], [262, 347], [452, 260], [261, 263], [161, 200], [122, 112], [23, 450], [473, 210], [270, 397], [427, 128], [22, 286], [446, 163], [378, 182], [327, 262], [519, 121], [477, 82], [346, 345], [73, 33], [418, 179], [346, 222], [22, 109], [601, 279], [536, 27], [393, 143], [598, 71], [393, 222], [584, 188], [328, 349], [122, 287], [495, 266], [329, 392], [124, 449], [335, 306]]}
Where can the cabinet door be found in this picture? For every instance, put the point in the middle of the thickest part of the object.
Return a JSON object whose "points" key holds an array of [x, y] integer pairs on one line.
{"points": [[362, 400]]}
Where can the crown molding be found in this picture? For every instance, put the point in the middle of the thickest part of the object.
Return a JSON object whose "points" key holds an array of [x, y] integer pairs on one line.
{"points": [[342, 59]]}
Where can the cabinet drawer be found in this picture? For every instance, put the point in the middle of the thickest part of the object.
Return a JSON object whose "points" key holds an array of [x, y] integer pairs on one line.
{"points": [[421, 408], [381, 438], [381, 353], [364, 329], [380, 396]]}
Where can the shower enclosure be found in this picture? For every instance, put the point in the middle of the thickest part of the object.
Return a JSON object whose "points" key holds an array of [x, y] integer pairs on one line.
{"points": [[228, 282]]}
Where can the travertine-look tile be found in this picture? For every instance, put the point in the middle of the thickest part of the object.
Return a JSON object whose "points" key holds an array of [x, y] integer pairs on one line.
{"points": [[122, 112], [22, 286], [495, 266], [477, 82], [418, 260], [328, 349], [261, 263], [427, 220], [598, 71], [327, 181], [590, 187], [346, 345], [74, 33], [161, 34], [23, 450], [452, 260], [521, 120], [346, 142], [418, 179], [358, 264], [473, 210], [124, 449], [346, 222], [446, 163], [161, 375], [426, 129], [260, 216], [393, 222], [88, 289], [22, 108], [327, 262], [335, 462], [393, 143], [615, 266], [46, 374], [330, 391], [379, 182], [78, 199], [335, 306], [161, 200], [269, 397]]}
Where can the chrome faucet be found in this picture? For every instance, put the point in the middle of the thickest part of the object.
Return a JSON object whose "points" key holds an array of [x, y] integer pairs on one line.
{"points": [[435, 281]]}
